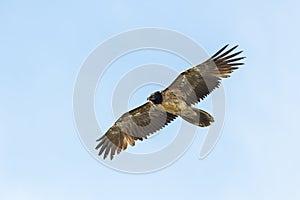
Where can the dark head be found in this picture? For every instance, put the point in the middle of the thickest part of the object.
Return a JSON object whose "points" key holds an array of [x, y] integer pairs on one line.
{"points": [[156, 97]]}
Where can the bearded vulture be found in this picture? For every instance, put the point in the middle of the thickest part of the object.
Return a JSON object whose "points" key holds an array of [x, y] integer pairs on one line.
{"points": [[162, 107]]}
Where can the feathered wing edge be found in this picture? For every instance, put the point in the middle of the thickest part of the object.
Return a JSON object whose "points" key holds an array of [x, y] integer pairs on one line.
{"points": [[195, 83], [218, 66], [126, 130], [226, 63]]}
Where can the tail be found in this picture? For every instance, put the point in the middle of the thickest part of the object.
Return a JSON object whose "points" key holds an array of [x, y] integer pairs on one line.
{"points": [[197, 117]]}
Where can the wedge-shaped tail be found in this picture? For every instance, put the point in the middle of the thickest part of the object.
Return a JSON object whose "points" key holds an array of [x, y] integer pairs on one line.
{"points": [[197, 117]]}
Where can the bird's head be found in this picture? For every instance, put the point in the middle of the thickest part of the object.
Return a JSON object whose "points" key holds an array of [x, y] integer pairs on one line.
{"points": [[156, 97]]}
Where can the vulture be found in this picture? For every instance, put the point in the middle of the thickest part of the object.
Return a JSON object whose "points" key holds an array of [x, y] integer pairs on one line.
{"points": [[162, 107]]}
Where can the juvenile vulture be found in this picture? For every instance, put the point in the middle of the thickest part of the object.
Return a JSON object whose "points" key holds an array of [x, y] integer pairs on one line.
{"points": [[162, 107]]}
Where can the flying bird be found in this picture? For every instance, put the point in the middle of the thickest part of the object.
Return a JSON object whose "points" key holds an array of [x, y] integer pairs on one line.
{"points": [[162, 107]]}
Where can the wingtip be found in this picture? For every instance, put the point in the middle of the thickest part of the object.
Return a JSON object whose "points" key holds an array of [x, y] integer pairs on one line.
{"points": [[233, 48], [237, 64]]}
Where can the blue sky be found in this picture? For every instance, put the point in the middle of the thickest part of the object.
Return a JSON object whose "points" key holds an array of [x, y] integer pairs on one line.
{"points": [[43, 45]]}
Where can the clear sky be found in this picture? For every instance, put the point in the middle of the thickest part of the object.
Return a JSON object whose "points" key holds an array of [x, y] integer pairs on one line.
{"points": [[42, 47]]}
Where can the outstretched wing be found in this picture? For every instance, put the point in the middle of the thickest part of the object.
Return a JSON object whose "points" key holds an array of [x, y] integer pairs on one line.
{"points": [[136, 124], [197, 82]]}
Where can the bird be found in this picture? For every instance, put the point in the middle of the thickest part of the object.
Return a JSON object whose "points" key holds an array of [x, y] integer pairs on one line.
{"points": [[162, 107]]}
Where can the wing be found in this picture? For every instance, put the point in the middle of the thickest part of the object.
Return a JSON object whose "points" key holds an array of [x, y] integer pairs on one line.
{"points": [[134, 125], [197, 82]]}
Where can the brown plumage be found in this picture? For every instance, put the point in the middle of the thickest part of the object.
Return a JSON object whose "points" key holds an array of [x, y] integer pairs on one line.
{"points": [[190, 87]]}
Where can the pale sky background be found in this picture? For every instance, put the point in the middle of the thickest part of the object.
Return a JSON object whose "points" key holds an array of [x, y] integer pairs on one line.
{"points": [[42, 47]]}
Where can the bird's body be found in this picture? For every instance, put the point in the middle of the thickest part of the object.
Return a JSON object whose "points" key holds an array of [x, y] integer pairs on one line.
{"points": [[162, 107], [172, 103]]}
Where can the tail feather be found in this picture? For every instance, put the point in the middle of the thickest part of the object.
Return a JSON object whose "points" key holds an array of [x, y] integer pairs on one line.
{"points": [[198, 117]]}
